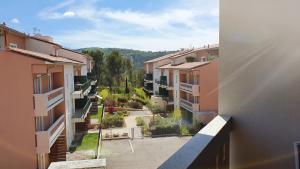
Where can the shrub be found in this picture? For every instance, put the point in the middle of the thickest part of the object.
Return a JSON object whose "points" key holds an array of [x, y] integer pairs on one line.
{"points": [[139, 121], [184, 130], [115, 120], [123, 99], [104, 93], [143, 101], [155, 109], [163, 126], [140, 93], [177, 115], [135, 105]]}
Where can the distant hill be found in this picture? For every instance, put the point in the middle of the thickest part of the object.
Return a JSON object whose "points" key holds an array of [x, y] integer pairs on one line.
{"points": [[138, 57]]}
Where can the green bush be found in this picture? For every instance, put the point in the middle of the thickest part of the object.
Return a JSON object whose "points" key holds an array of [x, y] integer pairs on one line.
{"points": [[140, 93], [104, 93], [135, 105], [139, 121], [123, 99], [164, 126], [155, 109], [115, 120], [143, 101], [184, 130]]}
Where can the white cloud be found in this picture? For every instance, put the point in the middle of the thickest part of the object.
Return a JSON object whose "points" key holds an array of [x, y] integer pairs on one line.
{"points": [[15, 20], [181, 24], [68, 14]]}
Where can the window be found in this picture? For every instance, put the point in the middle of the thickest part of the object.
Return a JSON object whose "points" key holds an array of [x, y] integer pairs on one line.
{"points": [[13, 45], [297, 153], [204, 59]]}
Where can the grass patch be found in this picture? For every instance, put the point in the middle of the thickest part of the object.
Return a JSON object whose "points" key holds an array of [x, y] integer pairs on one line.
{"points": [[98, 115], [89, 142]]}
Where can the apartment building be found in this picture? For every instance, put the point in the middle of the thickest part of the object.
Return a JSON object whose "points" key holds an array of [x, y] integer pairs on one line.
{"points": [[37, 99], [258, 123], [185, 79]]}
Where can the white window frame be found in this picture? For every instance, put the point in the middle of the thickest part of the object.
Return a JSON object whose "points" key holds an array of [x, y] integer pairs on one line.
{"points": [[297, 155]]}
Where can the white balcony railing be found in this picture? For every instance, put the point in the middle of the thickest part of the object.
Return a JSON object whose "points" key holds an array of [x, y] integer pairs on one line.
{"points": [[193, 107], [190, 88], [45, 139], [46, 101]]}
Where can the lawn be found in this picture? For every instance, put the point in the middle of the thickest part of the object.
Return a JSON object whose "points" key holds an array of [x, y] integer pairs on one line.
{"points": [[97, 115], [89, 142]]}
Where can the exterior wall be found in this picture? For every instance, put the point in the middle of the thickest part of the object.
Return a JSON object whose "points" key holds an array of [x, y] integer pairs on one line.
{"points": [[40, 46], [70, 107], [176, 94], [17, 125], [209, 87], [12, 38], [84, 70], [259, 81], [72, 55]]}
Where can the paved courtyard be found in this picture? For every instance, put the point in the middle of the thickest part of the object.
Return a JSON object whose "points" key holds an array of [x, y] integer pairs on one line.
{"points": [[147, 153]]}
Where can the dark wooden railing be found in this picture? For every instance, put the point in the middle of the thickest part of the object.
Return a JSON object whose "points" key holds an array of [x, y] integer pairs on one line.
{"points": [[208, 149]]}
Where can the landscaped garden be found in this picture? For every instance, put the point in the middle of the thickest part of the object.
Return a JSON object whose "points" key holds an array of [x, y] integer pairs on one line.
{"points": [[165, 126]]}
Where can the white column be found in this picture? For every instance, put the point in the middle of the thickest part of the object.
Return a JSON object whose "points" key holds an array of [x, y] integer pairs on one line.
{"points": [[176, 82]]}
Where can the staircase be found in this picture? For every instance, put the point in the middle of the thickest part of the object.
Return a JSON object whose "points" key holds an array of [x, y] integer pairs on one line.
{"points": [[94, 107], [83, 126], [58, 150]]}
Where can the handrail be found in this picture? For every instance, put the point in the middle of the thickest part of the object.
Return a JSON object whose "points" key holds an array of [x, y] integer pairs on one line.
{"points": [[58, 121], [202, 150], [50, 92], [100, 133]]}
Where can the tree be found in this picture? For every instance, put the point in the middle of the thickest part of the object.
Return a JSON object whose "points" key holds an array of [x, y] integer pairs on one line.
{"points": [[99, 68], [115, 68], [190, 59]]}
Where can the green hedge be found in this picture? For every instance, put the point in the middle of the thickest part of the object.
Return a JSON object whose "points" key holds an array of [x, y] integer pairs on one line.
{"points": [[164, 126]]}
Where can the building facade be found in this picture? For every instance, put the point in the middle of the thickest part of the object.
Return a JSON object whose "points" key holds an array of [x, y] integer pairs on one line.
{"points": [[187, 79], [41, 83]]}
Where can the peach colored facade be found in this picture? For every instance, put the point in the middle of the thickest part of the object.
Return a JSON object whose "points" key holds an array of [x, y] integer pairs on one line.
{"points": [[35, 103], [192, 86]]}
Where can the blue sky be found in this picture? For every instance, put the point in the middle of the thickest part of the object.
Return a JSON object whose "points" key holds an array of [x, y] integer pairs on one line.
{"points": [[135, 24]]}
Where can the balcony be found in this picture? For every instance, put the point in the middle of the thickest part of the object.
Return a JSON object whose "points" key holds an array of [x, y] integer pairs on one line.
{"points": [[169, 100], [92, 78], [148, 77], [190, 88], [209, 148], [46, 101], [81, 112], [148, 89], [82, 86], [45, 139], [193, 107]]}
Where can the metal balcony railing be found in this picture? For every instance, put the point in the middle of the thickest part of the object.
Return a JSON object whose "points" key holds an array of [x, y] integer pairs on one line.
{"points": [[83, 87], [149, 76]]}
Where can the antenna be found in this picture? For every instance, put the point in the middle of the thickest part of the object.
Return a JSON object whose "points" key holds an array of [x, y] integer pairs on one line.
{"points": [[36, 31]]}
